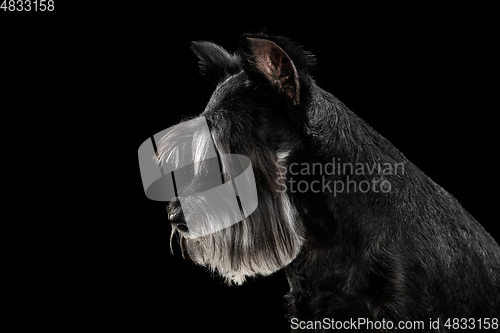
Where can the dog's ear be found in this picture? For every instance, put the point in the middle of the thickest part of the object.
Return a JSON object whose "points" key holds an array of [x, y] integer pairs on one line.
{"points": [[264, 58], [215, 62]]}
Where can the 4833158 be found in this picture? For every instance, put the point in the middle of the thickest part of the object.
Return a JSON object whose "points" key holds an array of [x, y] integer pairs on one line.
{"points": [[28, 5]]}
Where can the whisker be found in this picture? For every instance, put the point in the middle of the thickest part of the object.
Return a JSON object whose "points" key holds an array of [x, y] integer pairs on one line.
{"points": [[172, 236]]}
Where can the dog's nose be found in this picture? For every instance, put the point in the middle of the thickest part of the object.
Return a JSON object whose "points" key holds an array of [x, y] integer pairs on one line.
{"points": [[176, 217]]}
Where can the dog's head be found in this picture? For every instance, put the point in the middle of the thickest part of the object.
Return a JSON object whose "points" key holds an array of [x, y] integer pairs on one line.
{"points": [[249, 126]]}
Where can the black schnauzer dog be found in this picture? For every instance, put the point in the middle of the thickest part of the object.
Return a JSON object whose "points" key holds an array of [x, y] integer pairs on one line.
{"points": [[366, 239]]}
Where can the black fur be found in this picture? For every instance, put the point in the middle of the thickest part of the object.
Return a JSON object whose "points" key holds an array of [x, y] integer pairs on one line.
{"points": [[215, 62], [411, 253]]}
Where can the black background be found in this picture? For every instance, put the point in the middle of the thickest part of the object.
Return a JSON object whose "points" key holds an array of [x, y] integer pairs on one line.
{"points": [[425, 78]]}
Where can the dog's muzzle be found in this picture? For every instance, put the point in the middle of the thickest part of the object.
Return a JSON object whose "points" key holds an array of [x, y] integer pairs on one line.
{"points": [[204, 196]]}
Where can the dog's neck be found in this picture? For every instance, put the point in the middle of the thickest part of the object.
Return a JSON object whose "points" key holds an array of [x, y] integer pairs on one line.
{"points": [[333, 221]]}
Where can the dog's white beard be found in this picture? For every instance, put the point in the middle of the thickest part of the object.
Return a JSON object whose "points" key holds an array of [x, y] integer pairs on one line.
{"points": [[263, 243]]}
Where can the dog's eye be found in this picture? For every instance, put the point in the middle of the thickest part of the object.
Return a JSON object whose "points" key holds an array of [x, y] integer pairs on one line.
{"points": [[182, 227]]}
